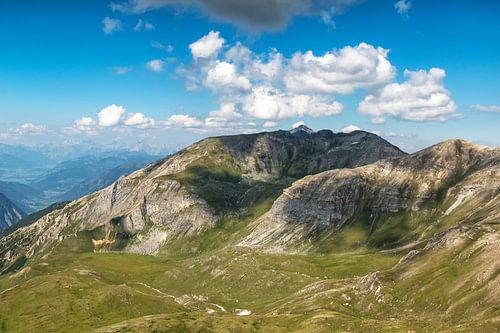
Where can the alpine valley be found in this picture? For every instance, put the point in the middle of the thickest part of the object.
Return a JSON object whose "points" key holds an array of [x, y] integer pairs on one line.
{"points": [[286, 231]]}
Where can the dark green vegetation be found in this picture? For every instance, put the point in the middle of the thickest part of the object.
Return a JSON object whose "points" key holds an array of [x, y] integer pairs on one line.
{"points": [[406, 260]]}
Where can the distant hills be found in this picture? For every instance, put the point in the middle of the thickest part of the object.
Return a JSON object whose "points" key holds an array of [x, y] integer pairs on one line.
{"points": [[9, 212], [32, 179]]}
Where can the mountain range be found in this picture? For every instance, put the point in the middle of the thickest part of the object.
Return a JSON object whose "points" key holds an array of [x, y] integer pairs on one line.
{"points": [[276, 232], [66, 180], [9, 212]]}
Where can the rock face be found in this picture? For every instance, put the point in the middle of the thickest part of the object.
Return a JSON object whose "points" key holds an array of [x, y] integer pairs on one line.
{"points": [[300, 152], [451, 175], [9, 213], [188, 192]]}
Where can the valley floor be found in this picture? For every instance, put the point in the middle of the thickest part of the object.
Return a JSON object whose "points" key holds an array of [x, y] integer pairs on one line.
{"points": [[228, 290]]}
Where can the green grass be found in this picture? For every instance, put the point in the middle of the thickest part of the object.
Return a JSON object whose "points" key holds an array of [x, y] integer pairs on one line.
{"points": [[78, 292]]}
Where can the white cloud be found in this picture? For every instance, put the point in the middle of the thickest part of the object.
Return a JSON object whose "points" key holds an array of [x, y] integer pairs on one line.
{"points": [[149, 26], [269, 70], [226, 117], [110, 115], [343, 71], [141, 25], [156, 65], [183, 121], [110, 25], [239, 54], [271, 86], [486, 108], [157, 45], [395, 135], [327, 18], [207, 46], [402, 7], [139, 120], [379, 120], [30, 129], [270, 124], [266, 102], [122, 70], [223, 77], [85, 122], [350, 128], [422, 97], [85, 125]]}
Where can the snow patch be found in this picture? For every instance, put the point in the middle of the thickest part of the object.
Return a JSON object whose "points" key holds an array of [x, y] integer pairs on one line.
{"points": [[243, 312]]}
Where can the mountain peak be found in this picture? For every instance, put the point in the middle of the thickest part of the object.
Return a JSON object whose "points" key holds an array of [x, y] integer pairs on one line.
{"points": [[301, 128]]}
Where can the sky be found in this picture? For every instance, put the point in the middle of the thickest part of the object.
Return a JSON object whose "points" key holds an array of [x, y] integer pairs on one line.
{"points": [[170, 72]]}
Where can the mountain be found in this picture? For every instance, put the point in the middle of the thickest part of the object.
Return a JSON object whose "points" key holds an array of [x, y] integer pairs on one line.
{"points": [[276, 232], [9, 213], [70, 179], [32, 218], [387, 203], [106, 178], [196, 188], [27, 198]]}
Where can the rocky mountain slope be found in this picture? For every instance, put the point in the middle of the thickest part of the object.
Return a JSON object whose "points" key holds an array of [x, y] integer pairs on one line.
{"points": [[194, 189], [387, 203], [9, 213]]}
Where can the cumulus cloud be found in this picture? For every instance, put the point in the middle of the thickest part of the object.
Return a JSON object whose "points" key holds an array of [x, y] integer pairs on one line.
{"points": [[85, 125], [183, 121], [270, 124], [486, 108], [85, 122], [30, 129], [266, 102], [224, 77], [256, 15], [350, 128], [110, 25], [110, 115], [402, 7], [422, 97], [339, 71], [270, 86], [139, 120], [156, 65], [226, 117], [255, 82], [207, 46]]}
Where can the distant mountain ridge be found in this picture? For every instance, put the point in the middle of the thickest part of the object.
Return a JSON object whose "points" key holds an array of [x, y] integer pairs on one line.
{"points": [[9, 213]]}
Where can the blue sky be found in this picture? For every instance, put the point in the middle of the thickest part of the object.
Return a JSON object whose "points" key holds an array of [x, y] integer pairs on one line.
{"points": [[74, 72]]}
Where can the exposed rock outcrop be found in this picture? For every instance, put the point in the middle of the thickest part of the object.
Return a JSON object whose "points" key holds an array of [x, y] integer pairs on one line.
{"points": [[455, 171], [189, 191]]}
